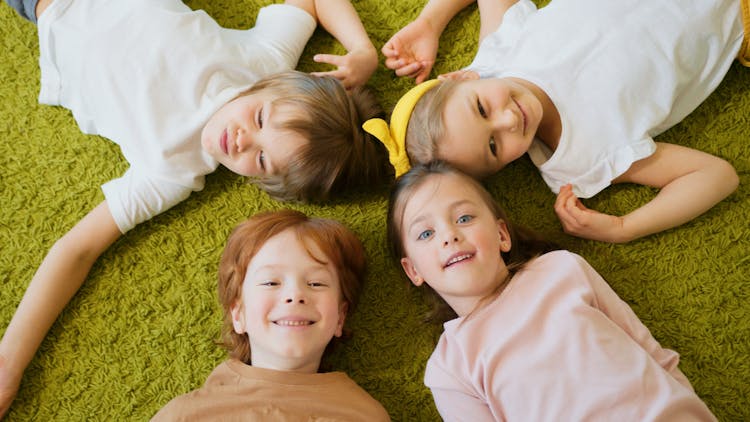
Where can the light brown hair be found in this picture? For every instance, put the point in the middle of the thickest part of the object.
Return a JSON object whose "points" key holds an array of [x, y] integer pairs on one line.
{"points": [[426, 125], [340, 155], [525, 244], [340, 247]]}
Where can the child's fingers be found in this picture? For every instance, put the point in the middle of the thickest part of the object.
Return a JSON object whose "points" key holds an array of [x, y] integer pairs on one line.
{"points": [[409, 70], [394, 63], [332, 59], [338, 74], [389, 50]]}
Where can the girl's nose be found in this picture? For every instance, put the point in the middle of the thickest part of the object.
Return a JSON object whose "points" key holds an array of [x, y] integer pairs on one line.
{"points": [[451, 236], [447, 241], [506, 119]]}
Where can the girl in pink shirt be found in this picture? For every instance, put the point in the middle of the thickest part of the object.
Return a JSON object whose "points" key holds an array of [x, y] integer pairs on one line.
{"points": [[532, 333]]}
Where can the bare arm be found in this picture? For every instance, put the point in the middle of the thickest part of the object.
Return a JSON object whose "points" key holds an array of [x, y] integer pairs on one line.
{"points": [[58, 278], [412, 50], [691, 182], [341, 20]]}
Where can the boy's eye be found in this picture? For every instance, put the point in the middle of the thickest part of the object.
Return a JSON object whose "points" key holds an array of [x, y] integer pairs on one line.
{"points": [[269, 283], [481, 109], [262, 161], [316, 284], [425, 235], [493, 147]]}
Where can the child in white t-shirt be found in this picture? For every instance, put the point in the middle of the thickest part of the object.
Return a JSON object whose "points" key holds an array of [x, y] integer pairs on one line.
{"points": [[582, 87], [530, 333], [286, 283], [180, 95]]}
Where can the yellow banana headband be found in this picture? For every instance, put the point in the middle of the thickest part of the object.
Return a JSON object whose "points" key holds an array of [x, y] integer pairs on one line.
{"points": [[394, 137]]}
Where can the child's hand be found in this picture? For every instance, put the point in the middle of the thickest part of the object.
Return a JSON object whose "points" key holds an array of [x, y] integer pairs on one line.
{"points": [[354, 68], [580, 221], [411, 51], [8, 387]]}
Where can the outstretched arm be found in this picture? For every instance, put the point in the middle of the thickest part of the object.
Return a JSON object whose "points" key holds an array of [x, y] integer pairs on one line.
{"points": [[691, 182], [341, 20], [412, 50], [58, 278]]}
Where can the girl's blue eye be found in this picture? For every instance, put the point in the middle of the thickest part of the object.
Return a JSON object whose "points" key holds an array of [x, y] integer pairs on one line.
{"points": [[464, 219], [425, 235]]}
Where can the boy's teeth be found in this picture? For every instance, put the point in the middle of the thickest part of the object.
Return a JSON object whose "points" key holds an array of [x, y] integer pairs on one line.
{"points": [[293, 323]]}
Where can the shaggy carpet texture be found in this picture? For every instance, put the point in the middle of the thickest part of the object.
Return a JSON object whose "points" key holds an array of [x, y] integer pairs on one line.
{"points": [[141, 330]]}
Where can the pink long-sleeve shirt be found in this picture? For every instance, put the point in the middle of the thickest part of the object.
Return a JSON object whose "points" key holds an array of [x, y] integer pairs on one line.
{"points": [[557, 344]]}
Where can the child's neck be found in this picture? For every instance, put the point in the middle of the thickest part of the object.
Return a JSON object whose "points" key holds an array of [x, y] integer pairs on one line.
{"points": [[550, 128]]}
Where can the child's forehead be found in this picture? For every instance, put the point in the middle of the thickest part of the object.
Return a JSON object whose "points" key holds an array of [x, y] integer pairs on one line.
{"points": [[439, 190], [277, 248]]}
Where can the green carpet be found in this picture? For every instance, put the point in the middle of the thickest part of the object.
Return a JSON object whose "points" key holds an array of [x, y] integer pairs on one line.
{"points": [[141, 329]]}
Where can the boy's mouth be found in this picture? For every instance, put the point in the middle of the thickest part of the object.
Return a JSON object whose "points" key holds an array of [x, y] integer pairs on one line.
{"points": [[293, 322], [223, 142]]}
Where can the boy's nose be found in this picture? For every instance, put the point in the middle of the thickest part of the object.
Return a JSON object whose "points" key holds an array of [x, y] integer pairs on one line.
{"points": [[294, 294], [295, 300], [243, 141]]}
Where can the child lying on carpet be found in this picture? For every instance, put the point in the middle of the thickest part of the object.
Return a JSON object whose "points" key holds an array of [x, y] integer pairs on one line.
{"points": [[286, 283], [534, 333], [181, 95], [582, 87]]}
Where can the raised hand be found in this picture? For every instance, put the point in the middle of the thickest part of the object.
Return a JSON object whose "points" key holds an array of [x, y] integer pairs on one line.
{"points": [[412, 50], [352, 69]]}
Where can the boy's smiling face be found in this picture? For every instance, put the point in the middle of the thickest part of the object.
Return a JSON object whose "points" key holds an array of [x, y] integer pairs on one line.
{"points": [[291, 304], [245, 135]]}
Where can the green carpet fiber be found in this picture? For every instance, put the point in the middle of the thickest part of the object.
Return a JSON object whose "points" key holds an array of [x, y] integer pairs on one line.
{"points": [[141, 329]]}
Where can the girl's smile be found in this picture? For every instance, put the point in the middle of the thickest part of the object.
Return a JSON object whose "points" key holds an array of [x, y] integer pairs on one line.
{"points": [[488, 124], [452, 241]]}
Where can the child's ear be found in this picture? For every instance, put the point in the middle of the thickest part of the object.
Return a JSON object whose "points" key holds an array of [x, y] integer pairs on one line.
{"points": [[343, 309], [411, 272], [502, 229], [238, 317]]}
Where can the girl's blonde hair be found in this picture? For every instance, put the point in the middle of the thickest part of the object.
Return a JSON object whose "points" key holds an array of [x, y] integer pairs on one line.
{"points": [[426, 126], [339, 247], [525, 244], [340, 155]]}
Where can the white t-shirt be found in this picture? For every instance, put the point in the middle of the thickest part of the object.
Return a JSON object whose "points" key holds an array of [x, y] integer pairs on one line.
{"points": [[619, 73], [148, 74], [558, 345]]}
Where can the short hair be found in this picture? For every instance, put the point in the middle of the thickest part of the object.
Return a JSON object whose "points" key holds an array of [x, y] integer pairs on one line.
{"points": [[340, 155], [340, 247], [525, 244], [426, 124]]}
